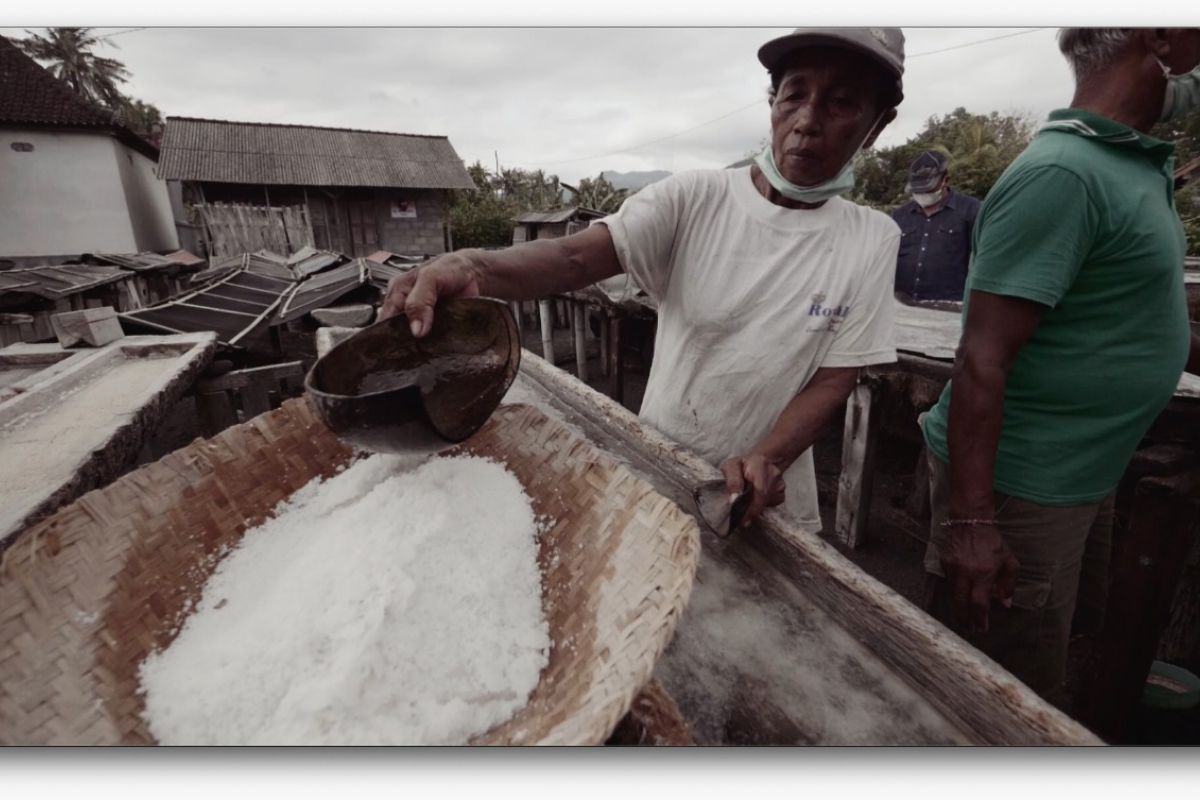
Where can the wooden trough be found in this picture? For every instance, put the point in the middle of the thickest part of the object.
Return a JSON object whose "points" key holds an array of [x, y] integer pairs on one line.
{"points": [[786, 641], [71, 420]]}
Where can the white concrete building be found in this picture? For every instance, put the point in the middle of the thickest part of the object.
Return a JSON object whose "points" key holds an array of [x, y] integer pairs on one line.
{"points": [[72, 179]]}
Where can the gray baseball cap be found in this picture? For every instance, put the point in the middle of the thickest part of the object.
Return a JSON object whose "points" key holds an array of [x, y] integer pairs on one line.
{"points": [[927, 171], [884, 45]]}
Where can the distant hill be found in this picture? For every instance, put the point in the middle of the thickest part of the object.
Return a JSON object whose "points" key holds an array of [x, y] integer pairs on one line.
{"points": [[634, 180]]}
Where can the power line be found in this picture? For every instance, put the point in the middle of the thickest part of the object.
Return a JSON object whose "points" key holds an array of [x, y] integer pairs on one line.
{"points": [[119, 33], [759, 102], [969, 44]]}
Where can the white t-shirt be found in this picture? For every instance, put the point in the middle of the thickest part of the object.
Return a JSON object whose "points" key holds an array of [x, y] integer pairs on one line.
{"points": [[753, 299]]}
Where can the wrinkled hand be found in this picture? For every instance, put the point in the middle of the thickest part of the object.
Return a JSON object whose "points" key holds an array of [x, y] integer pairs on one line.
{"points": [[763, 477], [979, 568], [416, 292]]}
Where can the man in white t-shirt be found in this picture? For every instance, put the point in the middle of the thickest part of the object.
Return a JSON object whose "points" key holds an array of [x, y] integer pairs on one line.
{"points": [[772, 290]]}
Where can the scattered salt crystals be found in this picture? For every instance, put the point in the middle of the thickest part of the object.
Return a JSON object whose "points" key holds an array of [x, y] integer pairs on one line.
{"points": [[749, 644], [380, 606]]}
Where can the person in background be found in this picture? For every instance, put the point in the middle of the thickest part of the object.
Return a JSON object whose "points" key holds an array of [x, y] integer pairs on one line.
{"points": [[935, 233], [1075, 334], [772, 289]]}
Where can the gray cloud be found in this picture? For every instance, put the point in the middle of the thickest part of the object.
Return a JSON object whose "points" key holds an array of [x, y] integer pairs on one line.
{"points": [[543, 96]]}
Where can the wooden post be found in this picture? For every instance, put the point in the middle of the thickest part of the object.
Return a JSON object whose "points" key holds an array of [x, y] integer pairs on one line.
{"points": [[858, 468], [215, 411], [615, 366], [547, 319], [579, 312], [208, 245], [515, 307], [917, 505], [604, 335], [1147, 563], [255, 400]]}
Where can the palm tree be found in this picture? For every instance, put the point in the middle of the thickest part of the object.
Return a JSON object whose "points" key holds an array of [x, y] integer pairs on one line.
{"points": [[69, 51], [597, 194]]}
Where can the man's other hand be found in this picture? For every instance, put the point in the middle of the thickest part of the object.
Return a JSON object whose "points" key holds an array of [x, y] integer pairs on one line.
{"points": [[762, 476], [979, 567]]}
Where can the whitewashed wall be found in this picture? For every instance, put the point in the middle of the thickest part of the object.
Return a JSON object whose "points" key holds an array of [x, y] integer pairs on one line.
{"points": [[77, 193], [147, 199]]}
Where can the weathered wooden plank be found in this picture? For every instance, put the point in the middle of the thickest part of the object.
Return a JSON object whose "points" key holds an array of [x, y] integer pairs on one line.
{"points": [[94, 326], [245, 377], [984, 702], [859, 439]]}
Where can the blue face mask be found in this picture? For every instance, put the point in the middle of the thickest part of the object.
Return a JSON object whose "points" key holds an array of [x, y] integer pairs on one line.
{"points": [[837, 185], [1182, 95]]}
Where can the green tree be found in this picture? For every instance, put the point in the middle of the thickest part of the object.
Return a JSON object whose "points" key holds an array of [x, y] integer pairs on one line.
{"points": [[1185, 133], [480, 217], [70, 57], [69, 51], [529, 190], [139, 117], [597, 194], [980, 148]]}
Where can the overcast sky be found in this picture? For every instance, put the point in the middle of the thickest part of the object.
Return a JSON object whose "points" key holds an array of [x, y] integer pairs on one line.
{"points": [[573, 101]]}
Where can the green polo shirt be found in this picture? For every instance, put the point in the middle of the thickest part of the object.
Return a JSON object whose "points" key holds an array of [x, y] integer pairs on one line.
{"points": [[1083, 222]]}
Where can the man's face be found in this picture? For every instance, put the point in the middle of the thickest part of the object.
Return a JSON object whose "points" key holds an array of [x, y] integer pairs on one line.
{"points": [[826, 103]]}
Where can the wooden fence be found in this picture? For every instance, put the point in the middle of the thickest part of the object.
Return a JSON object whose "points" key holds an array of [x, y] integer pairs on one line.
{"points": [[232, 229]]}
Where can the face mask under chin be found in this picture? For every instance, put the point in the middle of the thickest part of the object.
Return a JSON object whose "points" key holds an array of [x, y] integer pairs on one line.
{"points": [[925, 200], [839, 184]]}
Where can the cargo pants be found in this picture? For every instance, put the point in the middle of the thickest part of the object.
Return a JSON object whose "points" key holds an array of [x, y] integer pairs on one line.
{"points": [[1063, 554]]}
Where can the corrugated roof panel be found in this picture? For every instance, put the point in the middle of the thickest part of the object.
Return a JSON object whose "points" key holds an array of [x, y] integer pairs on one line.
{"points": [[60, 281], [562, 215], [232, 307], [237, 152], [260, 282], [320, 290]]}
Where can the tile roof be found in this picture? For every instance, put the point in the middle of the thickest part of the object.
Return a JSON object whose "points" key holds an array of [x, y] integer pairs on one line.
{"points": [[296, 155], [30, 95]]}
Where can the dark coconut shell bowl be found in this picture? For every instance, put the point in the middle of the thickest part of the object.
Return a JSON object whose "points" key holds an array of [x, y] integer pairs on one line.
{"points": [[386, 391]]}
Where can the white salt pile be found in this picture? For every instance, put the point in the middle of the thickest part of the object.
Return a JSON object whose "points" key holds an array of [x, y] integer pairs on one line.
{"points": [[381, 606]]}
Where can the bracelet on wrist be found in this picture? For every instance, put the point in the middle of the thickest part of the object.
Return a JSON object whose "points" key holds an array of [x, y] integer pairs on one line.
{"points": [[968, 523]]}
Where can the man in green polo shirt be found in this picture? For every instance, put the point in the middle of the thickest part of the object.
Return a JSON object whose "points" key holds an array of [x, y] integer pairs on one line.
{"points": [[1075, 334]]}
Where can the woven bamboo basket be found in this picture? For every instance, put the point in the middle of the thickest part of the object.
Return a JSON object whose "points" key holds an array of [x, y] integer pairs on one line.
{"points": [[88, 593]]}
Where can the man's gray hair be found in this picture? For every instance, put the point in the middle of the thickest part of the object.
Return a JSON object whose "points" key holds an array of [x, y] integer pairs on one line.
{"points": [[1092, 49]]}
